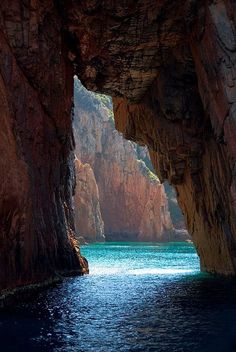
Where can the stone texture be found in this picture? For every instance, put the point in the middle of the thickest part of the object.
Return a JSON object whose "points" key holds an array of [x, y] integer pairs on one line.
{"points": [[88, 220], [176, 214], [133, 203], [36, 147]]}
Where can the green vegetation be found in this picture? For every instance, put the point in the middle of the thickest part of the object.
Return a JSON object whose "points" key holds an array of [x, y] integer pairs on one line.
{"points": [[88, 100], [147, 172], [104, 99], [152, 176], [111, 116]]}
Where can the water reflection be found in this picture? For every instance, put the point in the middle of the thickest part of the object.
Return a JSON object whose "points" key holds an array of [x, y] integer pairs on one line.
{"points": [[142, 309], [195, 314]]}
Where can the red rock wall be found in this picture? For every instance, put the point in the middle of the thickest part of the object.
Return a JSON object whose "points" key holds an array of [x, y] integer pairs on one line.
{"points": [[36, 163], [88, 219], [133, 206]]}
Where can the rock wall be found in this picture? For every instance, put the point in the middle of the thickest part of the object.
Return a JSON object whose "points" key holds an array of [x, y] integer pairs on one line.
{"points": [[133, 203], [88, 219], [36, 147]]}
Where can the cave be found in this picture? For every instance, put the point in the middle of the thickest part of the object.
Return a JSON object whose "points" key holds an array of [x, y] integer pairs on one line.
{"points": [[118, 196], [170, 68]]}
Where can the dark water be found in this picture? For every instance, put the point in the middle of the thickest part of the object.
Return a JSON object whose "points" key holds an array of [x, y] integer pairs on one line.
{"points": [[138, 297]]}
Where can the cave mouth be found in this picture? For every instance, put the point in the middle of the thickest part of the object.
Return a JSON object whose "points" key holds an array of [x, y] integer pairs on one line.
{"points": [[118, 196], [122, 211]]}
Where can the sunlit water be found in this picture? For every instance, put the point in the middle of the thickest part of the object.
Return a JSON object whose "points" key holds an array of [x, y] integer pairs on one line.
{"points": [[138, 297]]}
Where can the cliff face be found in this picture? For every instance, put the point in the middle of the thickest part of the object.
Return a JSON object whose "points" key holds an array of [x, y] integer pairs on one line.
{"points": [[133, 203], [176, 214], [36, 159], [88, 220]]}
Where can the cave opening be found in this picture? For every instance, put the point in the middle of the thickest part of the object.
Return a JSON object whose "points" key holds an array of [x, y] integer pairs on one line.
{"points": [[119, 201]]}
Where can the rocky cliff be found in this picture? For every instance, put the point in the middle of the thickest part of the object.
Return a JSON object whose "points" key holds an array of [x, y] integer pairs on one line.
{"points": [[36, 147], [133, 202], [171, 68], [88, 219], [176, 214]]}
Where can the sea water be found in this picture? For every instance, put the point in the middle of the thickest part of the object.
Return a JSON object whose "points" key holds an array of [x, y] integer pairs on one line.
{"points": [[137, 297]]}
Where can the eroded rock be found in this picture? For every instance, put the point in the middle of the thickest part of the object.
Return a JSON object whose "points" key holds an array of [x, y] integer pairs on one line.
{"points": [[36, 146]]}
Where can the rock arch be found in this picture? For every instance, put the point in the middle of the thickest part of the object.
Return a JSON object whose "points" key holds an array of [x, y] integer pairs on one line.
{"points": [[170, 67]]}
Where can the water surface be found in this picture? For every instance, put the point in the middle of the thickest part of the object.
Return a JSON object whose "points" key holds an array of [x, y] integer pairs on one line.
{"points": [[138, 297]]}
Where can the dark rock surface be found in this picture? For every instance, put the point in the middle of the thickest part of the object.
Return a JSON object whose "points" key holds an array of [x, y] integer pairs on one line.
{"points": [[36, 147]]}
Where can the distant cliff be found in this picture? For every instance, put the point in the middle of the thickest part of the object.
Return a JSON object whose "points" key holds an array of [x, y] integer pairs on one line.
{"points": [[88, 219], [133, 202]]}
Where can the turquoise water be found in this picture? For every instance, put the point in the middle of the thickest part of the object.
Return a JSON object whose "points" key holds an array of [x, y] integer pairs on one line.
{"points": [[138, 297]]}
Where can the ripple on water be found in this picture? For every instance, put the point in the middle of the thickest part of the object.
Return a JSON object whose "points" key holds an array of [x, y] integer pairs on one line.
{"points": [[139, 297]]}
